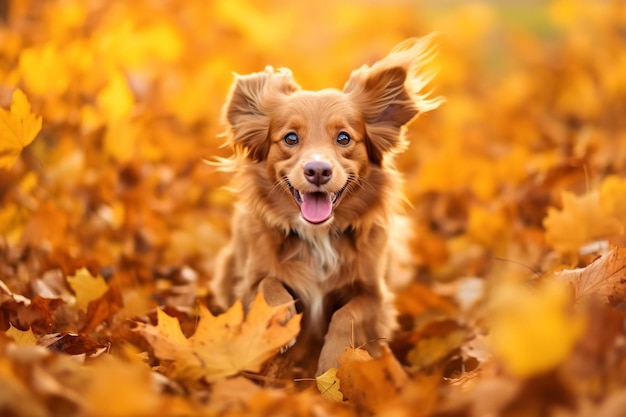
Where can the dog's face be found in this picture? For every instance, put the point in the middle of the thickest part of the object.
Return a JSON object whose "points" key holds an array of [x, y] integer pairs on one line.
{"points": [[319, 150]]}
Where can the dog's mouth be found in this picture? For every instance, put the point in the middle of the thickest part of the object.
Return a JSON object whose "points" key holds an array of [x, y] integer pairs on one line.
{"points": [[316, 207]]}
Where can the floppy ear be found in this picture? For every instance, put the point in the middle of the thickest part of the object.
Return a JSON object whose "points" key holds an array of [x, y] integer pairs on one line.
{"points": [[388, 95], [248, 106]]}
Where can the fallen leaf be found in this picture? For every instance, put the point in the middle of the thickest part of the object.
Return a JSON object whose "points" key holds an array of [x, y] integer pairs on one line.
{"points": [[18, 128], [86, 287], [580, 221], [22, 337], [532, 330], [128, 388], [222, 345], [329, 385], [604, 278], [370, 384]]}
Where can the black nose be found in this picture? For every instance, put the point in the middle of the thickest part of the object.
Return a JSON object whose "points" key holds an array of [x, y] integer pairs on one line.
{"points": [[318, 172]]}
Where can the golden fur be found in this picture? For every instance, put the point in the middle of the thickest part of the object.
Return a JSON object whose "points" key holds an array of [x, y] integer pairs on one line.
{"points": [[297, 151]]}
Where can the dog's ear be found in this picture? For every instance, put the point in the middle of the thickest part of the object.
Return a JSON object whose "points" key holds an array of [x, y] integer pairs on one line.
{"points": [[248, 106], [389, 94]]}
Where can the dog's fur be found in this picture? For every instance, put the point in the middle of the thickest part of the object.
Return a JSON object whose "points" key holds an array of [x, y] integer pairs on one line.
{"points": [[337, 265]]}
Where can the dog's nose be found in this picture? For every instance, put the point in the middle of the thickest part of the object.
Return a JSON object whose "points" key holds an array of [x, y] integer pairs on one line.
{"points": [[318, 172]]}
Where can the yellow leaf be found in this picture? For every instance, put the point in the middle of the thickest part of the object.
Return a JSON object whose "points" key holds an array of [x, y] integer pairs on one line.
{"points": [[328, 384], [120, 140], [44, 70], [487, 227], [533, 330], [120, 388], [580, 221], [613, 198], [222, 345], [86, 287], [431, 350], [22, 338], [605, 277], [116, 100], [18, 128]]}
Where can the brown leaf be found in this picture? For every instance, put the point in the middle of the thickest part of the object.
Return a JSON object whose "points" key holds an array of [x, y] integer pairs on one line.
{"points": [[103, 308], [604, 278], [370, 384]]}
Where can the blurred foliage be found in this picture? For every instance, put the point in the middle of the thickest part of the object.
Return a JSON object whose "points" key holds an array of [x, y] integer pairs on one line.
{"points": [[114, 191]]}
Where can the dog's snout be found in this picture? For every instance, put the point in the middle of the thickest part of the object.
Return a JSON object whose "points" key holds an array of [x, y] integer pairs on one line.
{"points": [[318, 172]]}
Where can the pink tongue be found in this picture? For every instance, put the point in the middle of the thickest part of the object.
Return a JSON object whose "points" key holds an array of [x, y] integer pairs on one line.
{"points": [[316, 207]]}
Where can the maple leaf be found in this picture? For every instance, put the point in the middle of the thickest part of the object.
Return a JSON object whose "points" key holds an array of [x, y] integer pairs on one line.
{"points": [[18, 128], [604, 278], [222, 345], [580, 221], [86, 287]]}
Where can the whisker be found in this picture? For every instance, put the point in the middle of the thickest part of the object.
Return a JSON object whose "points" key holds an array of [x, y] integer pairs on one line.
{"points": [[277, 185]]}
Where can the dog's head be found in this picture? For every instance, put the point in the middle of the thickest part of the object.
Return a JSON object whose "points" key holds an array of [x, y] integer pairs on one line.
{"points": [[319, 150]]}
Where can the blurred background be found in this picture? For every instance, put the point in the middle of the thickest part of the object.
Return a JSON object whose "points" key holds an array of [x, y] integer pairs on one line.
{"points": [[131, 94]]}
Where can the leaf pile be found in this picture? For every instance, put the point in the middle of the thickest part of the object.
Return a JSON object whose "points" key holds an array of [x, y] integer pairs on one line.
{"points": [[110, 221]]}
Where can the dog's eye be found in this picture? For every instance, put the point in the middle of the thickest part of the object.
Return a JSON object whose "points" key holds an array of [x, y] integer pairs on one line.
{"points": [[343, 138], [291, 139]]}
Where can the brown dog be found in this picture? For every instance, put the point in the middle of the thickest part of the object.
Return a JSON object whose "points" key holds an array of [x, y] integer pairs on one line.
{"points": [[316, 218]]}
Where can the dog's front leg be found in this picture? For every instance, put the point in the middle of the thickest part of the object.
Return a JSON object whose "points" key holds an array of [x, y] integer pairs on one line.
{"points": [[276, 294], [361, 322]]}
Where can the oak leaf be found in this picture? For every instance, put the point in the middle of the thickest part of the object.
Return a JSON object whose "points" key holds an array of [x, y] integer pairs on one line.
{"points": [[604, 278], [222, 345], [18, 128]]}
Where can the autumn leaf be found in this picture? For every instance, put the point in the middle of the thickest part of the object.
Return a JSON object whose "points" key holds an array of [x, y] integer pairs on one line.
{"points": [[22, 337], [533, 330], [18, 128], [370, 383], [86, 287], [329, 385], [604, 278], [222, 345], [580, 221]]}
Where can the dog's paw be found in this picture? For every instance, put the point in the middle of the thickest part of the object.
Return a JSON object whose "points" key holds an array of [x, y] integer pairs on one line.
{"points": [[288, 346]]}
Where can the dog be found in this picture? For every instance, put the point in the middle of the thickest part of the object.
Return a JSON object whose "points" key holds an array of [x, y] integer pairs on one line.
{"points": [[318, 220]]}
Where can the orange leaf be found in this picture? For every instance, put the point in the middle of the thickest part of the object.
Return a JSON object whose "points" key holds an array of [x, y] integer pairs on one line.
{"points": [[370, 383], [579, 222], [222, 345]]}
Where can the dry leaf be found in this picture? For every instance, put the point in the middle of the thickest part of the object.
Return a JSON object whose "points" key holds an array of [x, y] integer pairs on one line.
{"points": [[604, 278], [370, 384], [329, 385], [222, 345]]}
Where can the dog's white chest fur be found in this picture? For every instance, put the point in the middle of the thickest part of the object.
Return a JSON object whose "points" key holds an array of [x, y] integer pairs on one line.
{"points": [[320, 240]]}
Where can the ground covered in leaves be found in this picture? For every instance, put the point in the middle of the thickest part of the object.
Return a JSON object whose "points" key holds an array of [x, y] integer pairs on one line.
{"points": [[110, 220]]}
